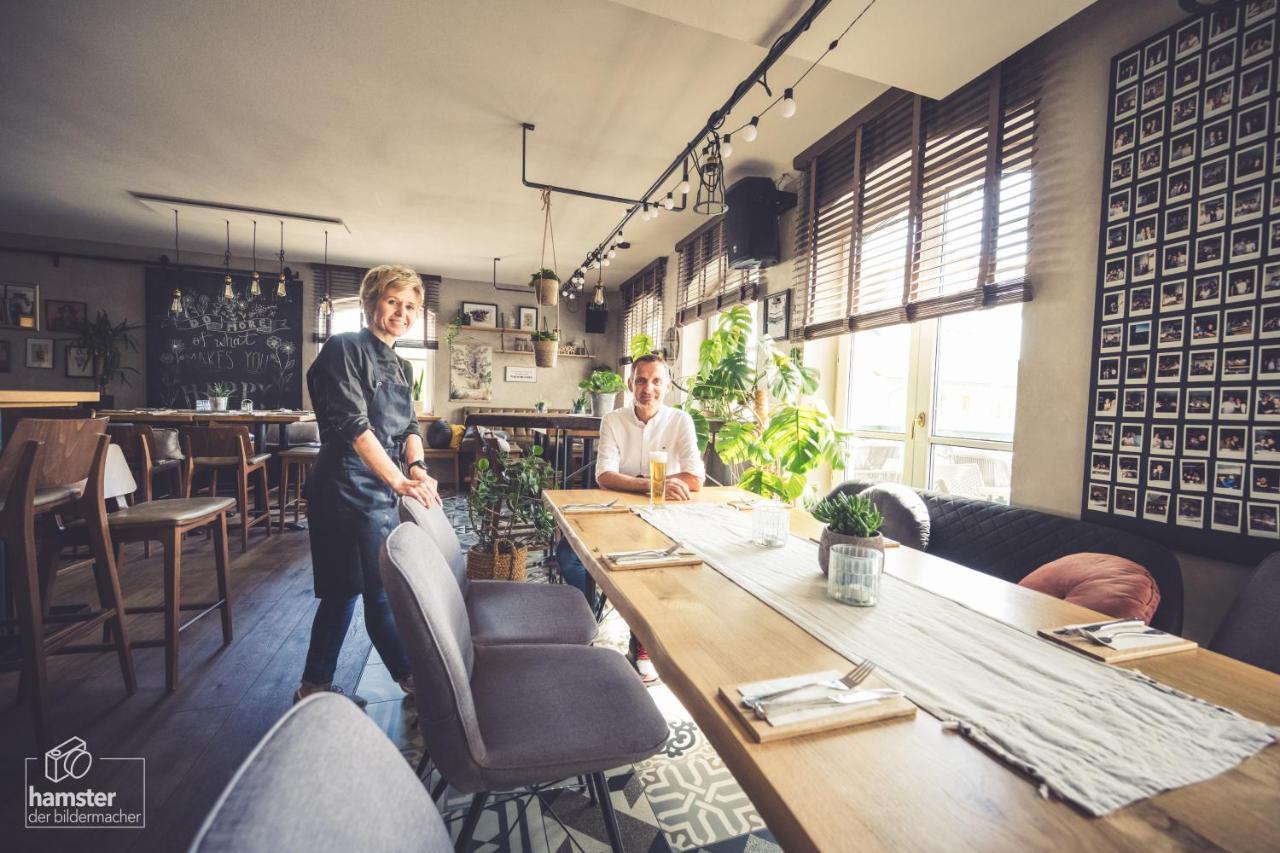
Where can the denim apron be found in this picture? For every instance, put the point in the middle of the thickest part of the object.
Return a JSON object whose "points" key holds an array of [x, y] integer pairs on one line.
{"points": [[350, 511]]}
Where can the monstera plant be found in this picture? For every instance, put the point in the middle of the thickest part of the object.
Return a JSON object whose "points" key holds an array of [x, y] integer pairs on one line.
{"points": [[755, 400]]}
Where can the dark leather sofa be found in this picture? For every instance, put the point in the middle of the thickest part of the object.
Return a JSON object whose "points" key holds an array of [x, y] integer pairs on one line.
{"points": [[1010, 543]]}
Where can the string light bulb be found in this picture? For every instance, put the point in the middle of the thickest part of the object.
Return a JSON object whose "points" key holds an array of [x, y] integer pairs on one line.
{"points": [[752, 130], [669, 202], [684, 187], [788, 106], [645, 216], [613, 251], [726, 146]]}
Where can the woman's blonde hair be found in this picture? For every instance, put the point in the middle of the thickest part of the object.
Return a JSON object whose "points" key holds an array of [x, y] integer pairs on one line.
{"points": [[380, 279]]}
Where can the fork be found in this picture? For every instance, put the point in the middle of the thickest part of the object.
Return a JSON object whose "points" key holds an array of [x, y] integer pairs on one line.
{"points": [[649, 554], [590, 505], [852, 679]]}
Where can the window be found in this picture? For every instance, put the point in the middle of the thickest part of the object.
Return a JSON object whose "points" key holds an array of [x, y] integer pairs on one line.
{"points": [[642, 305], [704, 281], [931, 404]]}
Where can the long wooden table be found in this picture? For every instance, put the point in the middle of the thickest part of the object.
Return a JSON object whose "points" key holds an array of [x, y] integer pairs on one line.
{"points": [[907, 784]]}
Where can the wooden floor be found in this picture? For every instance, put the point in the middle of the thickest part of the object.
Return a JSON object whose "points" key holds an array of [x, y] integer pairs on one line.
{"points": [[226, 700]]}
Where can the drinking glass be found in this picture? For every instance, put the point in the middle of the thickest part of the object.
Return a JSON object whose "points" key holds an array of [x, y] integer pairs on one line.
{"points": [[246, 405], [657, 477], [770, 523], [853, 575]]}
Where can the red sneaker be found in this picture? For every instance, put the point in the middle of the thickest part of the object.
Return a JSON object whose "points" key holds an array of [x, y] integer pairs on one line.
{"points": [[644, 666]]}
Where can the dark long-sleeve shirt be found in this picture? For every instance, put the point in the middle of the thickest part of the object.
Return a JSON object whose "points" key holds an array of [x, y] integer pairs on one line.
{"points": [[343, 379]]}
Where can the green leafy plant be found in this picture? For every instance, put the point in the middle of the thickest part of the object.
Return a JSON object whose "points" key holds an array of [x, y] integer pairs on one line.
{"points": [[106, 343], [220, 389], [418, 383], [739, 376], [850, 515], [641, 345], [580, 401], [545, 335], [505, 502], [544, 273], [602, 382]]}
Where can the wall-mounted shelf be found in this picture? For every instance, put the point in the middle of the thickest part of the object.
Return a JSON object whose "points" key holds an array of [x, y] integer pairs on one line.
{"points": [[562, 355]]}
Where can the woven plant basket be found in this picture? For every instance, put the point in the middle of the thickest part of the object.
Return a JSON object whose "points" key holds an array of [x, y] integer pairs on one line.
{"points": [[485, 565], [545, 353], [547, 291]]}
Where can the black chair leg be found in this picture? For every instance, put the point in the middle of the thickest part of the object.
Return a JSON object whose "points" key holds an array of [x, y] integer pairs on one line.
{"points": [[606, 809], [422, 763], [439, 789], [589, 784], [469, 822]]}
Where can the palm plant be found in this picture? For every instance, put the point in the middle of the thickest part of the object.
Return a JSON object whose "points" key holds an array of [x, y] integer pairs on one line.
{"points": [[106, 342]]}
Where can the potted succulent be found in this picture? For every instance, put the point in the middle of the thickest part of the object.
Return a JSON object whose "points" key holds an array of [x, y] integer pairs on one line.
{"points": [[580, 403], [505, 508], [106, 342], [419, 404], [219, 394], [850, 520], [546, 347], [546, 286], [603, 386]]}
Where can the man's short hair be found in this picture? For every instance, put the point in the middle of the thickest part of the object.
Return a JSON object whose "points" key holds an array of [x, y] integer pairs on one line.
{"points": [[651, 358]]}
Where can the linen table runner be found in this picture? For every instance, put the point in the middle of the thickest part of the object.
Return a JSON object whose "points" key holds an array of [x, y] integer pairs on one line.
{"points": [[1095, 735]]}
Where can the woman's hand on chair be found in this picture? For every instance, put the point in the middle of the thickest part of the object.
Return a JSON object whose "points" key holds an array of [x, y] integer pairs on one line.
{"points": [[419, 485]]}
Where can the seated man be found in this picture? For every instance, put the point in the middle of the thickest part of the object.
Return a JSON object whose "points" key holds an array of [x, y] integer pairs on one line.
{"points": [[627, 436]]}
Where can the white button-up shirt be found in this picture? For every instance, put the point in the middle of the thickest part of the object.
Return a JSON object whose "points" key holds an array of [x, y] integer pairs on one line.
{"points": [[625, 443]]}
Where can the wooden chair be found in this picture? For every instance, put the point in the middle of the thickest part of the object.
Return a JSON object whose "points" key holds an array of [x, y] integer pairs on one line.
{"points": [[137, 442], [295, 464], [58, 466], [228, 449]]}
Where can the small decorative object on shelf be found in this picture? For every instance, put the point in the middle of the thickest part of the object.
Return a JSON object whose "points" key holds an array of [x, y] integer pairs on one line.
{"points": [[603, 386], [219, 394], [850, 520], [580, 404], [546, 287], [546, 347], [540, 406]]}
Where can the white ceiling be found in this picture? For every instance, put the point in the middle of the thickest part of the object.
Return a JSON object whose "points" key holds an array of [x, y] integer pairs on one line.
{"points": [[402, 117]]}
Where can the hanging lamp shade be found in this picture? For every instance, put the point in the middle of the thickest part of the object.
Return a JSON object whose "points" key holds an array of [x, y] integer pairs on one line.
{"points": [[710, 200]]}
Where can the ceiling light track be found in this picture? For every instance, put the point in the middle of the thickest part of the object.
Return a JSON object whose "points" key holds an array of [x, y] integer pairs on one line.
{"points": [[525, 127], [222, 208]]}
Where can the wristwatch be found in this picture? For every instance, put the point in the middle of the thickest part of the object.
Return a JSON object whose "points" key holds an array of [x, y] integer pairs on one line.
{"points": [[418, 463]]}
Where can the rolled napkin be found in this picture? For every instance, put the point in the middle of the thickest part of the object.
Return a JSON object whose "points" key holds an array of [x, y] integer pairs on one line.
{"points": [[811, 697]]}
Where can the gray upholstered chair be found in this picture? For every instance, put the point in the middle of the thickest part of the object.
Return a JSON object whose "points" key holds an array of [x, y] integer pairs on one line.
{"points": [[324, 778], [511, 716], [506, 612], [1251, 631]]}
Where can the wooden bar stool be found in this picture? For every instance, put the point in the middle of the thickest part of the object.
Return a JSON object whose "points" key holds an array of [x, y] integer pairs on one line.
{"points": [[228, 449], [295, 464]]}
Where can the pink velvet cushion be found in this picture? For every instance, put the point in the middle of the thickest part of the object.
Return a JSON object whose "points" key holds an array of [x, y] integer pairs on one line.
{"points": [[1120, 588]]}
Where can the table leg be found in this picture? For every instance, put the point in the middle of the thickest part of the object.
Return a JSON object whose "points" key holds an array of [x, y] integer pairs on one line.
{"points": [[284, 445], [260, 446]]}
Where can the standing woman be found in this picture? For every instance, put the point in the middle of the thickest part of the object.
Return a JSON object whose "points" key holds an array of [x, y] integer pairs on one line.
{"points": [[361, 392]]}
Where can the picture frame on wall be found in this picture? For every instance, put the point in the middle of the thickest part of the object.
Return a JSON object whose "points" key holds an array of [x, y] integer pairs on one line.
{"points": [[78, 362], [527, 318], [40, 353], [521, 373], [63, 316], [484, 315], [21, 306], [777, 315]]}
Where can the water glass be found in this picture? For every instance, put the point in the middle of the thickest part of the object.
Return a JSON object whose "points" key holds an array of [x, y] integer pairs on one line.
{"points": [[770, 524], [853, 575], [246, 405], [657, 477]]}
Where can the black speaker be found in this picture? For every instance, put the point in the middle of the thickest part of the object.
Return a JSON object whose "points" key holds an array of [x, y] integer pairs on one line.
{"points": [[751, 223], [597, 319]]}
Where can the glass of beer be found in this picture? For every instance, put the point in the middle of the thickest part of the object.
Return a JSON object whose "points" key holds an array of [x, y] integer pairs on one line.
{"points": [[657, 477]]}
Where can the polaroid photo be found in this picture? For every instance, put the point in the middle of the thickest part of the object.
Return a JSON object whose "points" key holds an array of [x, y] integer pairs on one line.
{"points": [[1251, 163], [1151, 126], [1140, 301], [1100, 466], [1118, 205], [1150, 160], [1228, 478], [1226, 515], [1242, 284], [1117, 238], [1104, 403], [1186, 75], [1222, 23], [1246, 243], [1123, 137], [1113, 306], [1258, 43], [1127, 68], [1099, 497], [1155, 506], [1270, 281], [1156, 55], [1199, 405], [1143, 267], [1233, 442], [1166, 403], [1164, 440], [1263, 520], [1104, 435], [1190, 511], [1275, 192], [1211, 212], [1256, 10], [1160, 472], [1267, 407], [1139, 337], [1128, 468], [1213, 176], [1205, 329], [1195, 440], [1185, 42], [1179, 189], [1220, 61], [1135, 403], [1275, 156], [1111, 338], [1219, 98], [1121, 170], [1173, 296], [1185, 111], [1202, 365], [1145, 230], [1269, 362], [1154, 90], [1182, 148], [1126, 103], [1237, 366], [1208, 253], [1217, 136], [1264, 482], [1233, 403], [1169, 333], [1269, 325], [1252, 124], [1126, 501], [1109, 371], [1175, 259], [1193, 475], [1255, 83], [1177, 222], [1169, 369], [1206, 289], [1266, 443], [1273, 240], [1237, 324], [1113, 271], [1246, 204], [1136, 368]]}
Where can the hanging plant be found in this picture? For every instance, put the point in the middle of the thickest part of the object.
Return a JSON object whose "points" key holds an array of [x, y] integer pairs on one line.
{"points": [[546, 284], [546, 347], [546, 287]]}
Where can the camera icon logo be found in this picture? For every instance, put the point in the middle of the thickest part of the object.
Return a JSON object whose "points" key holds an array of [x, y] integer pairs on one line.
{"points": [[68, 760]]}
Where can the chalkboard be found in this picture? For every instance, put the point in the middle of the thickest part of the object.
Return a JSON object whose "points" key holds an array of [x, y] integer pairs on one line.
{"points": [[254, 345]]}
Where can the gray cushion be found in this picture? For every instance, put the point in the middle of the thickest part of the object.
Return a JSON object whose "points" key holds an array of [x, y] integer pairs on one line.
{"points": [[503, 612], [906, 518], [324, 778], [165, 445], [172, 511], [436, 524]]}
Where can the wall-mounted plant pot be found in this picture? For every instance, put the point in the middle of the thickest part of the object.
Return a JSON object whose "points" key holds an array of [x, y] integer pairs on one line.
{"points": [[830, 537], [603, 403], [545, 353], [547, 291]]}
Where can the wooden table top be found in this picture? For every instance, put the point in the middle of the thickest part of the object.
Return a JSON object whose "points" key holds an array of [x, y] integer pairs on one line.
{"points": [[186, 416], [45, 399], [907, 784]]}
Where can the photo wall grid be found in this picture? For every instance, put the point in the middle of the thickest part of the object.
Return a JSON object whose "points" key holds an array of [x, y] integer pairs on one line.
{"points": [[1183, 442]]}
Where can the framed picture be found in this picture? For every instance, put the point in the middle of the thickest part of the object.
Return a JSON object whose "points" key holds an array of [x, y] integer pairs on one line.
{"points": [[528, 320], [6, 357], [40, 353], [521, 373], [60, 316], [777, 315], [20, 307], [78, 361], [484, 315]]}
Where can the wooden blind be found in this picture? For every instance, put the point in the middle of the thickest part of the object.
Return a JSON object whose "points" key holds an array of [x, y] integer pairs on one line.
{"points": [[642, 301], [704, 282], [916, 208], [344, 290]]}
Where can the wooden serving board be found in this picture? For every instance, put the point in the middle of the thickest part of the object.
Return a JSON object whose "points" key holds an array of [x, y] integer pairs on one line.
{"points": [[664, 563], [762, 731], [596, 510], [1108, 655]]}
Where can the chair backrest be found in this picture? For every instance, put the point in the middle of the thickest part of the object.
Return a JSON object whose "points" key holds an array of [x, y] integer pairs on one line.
{"points": [[134, 440], [69, 446], [324, 778], [432, 620], [228, 440], [303, 432], [436, 523], [118, 480], [17, 517], [1251, 631]]}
